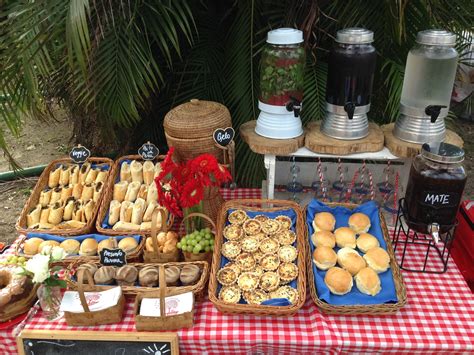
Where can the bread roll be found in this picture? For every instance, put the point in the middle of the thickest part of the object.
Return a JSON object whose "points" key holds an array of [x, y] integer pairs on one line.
{"points": [[323, 238], [101, 176], [324, 221], [366, 241], [77, 190], [148, 276], [89, 210], [65, 175], [324, 257], [149, 211], [31, 246], [148, 172], [126, 209], [51, 243], [359, 223], [56, 195], [368, 281], [68, 209], [83, 171], [54, 175], [92, 268], [74, 224], [56, 214], [136, 168], [132, 191], [350, 260], [74, 176], [97, 190], [158, 169], [78, 212], [378, 259], [45, 197], [338, 280], [114, 212], [189, 275], [91, 176], [142, 192], [70, 246], [45, 215], [120, 190], [34, 216], [125, 226], [128, 244], [126, 275], [345, 237], [137, 211], [125, 173], [87, 193], [66, 192], [88, 247], [105, 275], [152, 194], [172, 274], [110, 243]]}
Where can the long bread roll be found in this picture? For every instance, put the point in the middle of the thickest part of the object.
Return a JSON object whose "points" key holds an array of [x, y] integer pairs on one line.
{"points": [[125, 173], [45, 197], [53, 179], [136, 168], [114, 212], [132, 191], [148, 172], [34, 216]]}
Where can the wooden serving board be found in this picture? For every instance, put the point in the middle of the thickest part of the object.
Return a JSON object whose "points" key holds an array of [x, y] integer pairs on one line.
{"points": [[317, 142], [262, 145], [404, 149]]}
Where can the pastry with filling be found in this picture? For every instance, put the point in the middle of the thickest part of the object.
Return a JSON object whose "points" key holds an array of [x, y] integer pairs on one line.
{"points": [[245, 261], [252, 227], [287, 272], [249, 244], [233, 232], [269, 246], [269, 281], [286, 237], [248, 281], [230, 294], [227, 276], [237, 217], [287, 253], [231, 249], [270, 226], [270, 262]]}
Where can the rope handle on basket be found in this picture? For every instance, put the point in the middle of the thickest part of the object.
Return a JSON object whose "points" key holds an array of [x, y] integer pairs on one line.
{"points": [[154, 230], [162, 281], [80, 287], [18, 246], [197, 214]]}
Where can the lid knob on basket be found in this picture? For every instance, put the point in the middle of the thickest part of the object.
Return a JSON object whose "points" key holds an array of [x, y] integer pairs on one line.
{"points": [[194, 101]]}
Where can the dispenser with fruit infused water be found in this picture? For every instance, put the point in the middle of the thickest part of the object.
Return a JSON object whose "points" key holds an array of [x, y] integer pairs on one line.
{"points": [[427, 87]]}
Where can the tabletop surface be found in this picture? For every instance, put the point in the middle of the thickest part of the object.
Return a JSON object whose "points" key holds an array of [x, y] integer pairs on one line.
{"points": [[438, 318]]}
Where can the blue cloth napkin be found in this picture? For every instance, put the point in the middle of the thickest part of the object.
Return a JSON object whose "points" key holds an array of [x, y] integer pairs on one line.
{"points": [[388, 293]]}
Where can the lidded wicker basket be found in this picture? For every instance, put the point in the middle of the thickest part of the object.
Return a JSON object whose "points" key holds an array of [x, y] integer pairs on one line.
{"points": [[189, 128]]}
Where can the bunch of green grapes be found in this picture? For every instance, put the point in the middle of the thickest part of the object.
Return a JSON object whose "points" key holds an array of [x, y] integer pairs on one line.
{"points": [[14, 260], [197, 241]]}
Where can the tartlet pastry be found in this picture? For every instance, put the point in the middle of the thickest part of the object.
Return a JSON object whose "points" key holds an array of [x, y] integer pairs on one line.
{"points": [[269, 246], [259, 236], [249, 244], [270, 226], [287, 253], [229, 294], [270, 262], [248, 281], [245, 261], [258, 270], [287, 272], [286, 237], [261, 218], [232, 265], [231, 249], [255, 297], [287, 292], [237, 217], [227, 276], [285, 222], [252, 227], [269, 281], [233, 232], [258, 255]]}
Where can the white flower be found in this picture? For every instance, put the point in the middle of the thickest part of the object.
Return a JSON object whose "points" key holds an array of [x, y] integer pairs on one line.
{"points": [[39, 267], [19, 271], [46, 250], [58, 253]]}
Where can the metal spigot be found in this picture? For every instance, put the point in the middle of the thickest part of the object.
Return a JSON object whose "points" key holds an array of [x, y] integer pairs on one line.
{"points": [[294, 105], [433, 111], [433, 228], [350, 107]]}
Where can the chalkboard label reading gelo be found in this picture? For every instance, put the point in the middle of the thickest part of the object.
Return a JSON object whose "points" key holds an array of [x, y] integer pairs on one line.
{"points": [[148, 151], [79, 154], [113, 257], [223, 137]]}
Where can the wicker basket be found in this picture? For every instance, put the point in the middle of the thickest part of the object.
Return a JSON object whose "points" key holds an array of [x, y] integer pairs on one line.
{"points": [[212, 203], [19, 307], [377, 309], [104, 207], [134, 256], [21, 225], [163, 322], [206, 256], [262, 206], [189, 128], [156, 256], [197, 288], [89, 318]]}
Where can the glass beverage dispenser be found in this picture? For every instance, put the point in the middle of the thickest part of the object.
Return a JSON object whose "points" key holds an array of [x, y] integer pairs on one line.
{"points": [[427, 87], [349, 84], [281, 85]]}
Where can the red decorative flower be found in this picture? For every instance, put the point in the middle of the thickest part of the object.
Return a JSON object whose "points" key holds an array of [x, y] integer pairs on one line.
{"points": [[192, 194]]}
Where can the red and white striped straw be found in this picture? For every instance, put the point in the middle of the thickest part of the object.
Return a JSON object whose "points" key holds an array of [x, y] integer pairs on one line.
{"points": [[339, 169], [321, 178], [387, 172], [395, 197], [351, 187], [371, 184]]}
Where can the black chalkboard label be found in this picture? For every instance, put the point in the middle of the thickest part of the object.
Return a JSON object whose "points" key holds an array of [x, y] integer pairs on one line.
{"points": [[148, 151], [223, 137], [113, 257], [440, 200], [79, 154]]}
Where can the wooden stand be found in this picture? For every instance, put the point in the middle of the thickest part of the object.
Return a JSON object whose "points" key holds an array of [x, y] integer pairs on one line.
{"points": [[404, 149], [262, 145], [317, 142]]}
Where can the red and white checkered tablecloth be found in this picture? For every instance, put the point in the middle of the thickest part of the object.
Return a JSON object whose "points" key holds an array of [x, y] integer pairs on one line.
{"points": [[438, 318]]}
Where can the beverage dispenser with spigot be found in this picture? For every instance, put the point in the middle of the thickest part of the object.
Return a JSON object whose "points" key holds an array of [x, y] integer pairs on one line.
{"points": [[427, 87]]}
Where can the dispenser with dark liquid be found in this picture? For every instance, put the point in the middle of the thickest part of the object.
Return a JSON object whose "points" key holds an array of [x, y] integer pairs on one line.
{"points": [[349, 84]]}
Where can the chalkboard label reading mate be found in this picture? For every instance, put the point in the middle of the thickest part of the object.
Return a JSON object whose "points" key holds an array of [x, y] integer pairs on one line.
{"points": [[223, 137], [79, 154], [440, 200], [148, 151], [113, 257]]}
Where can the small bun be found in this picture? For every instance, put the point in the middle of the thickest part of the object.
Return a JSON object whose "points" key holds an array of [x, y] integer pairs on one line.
{"points": [[378, 259], [338, 280], [128, 244], [88, 247], [31, 246], [70, 246], [323, 238], [359, 222], [51, 243], [324, 257], [366, 241], [350, 260], [324, 221], [110, 243], [368, 281], [345, 237]]}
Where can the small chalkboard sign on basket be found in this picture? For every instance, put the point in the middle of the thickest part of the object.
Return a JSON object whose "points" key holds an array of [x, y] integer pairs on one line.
{"points": [[223, 137], [148, 151], [79, 154]]}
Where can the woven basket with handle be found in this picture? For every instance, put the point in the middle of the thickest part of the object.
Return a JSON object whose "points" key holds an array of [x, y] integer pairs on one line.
{"points": [[156, 256], [204, 256]]}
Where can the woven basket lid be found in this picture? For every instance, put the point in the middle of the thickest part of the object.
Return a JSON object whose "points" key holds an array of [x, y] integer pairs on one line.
{"points": [[196, 119]]}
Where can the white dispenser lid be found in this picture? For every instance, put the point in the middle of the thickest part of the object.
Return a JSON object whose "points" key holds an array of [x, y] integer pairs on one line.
{"points": [[436, 37], [354, 35], [285, 36]]}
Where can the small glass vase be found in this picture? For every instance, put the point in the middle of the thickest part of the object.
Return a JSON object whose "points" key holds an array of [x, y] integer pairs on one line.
{"points": [[193, 223], [50, 300]]}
